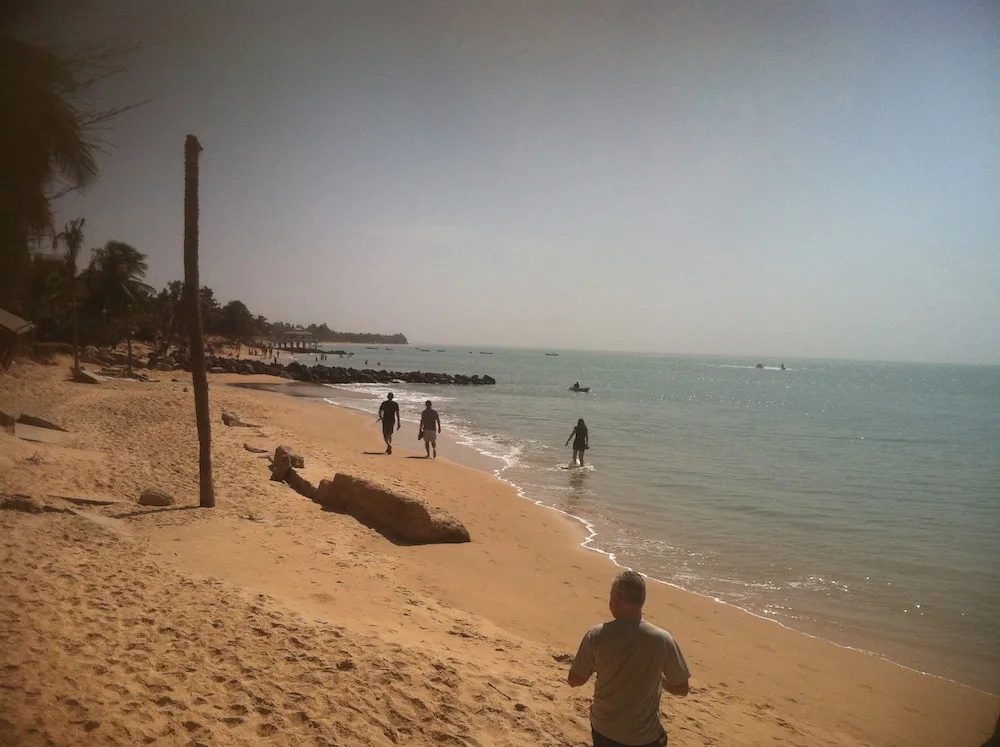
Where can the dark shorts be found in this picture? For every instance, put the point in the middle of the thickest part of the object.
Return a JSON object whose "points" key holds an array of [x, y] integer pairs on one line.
{"points": [[602, 741], [387, 429]]}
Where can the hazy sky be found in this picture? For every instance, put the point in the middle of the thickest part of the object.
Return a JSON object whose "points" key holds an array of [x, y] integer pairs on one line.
{"points": [[780, 180]]}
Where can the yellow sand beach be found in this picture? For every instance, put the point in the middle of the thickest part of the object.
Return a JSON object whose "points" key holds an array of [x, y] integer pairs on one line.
{"points": [[268, 620]]}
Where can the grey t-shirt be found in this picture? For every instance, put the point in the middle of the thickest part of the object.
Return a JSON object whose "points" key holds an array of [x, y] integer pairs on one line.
{"points": [[629, 658]]}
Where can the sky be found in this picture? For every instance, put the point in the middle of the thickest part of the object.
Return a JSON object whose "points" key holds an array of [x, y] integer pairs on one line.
{"points": [[766, 179]]}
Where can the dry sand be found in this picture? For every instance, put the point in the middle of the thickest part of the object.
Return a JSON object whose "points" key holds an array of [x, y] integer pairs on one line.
{"points": [[269, 621]]}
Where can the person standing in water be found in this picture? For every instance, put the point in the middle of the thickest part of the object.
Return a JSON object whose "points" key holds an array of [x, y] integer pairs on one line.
{"points": [[387, 413], [581, 441], [430, 426]]}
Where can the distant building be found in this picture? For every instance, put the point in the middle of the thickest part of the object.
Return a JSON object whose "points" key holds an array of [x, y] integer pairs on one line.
{"points": [[295, 340]]}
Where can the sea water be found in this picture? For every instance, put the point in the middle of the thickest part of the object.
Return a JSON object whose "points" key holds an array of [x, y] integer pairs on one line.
{"points": [[855, 501]]}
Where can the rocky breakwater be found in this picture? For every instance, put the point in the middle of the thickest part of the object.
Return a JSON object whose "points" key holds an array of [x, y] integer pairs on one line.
{"points": [[337, 374]]}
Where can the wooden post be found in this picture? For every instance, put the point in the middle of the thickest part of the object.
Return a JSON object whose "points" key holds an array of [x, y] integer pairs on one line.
{"points": [[199, 377]]}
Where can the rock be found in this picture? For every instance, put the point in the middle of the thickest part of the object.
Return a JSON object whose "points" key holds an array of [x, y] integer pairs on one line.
{"points": [[155, 497], [254, 449], [295, 458], [397, 516], [231, 419], [7, 421], [285, 458], [89, 355], [83, 376], [39, 423], [216, 369]]}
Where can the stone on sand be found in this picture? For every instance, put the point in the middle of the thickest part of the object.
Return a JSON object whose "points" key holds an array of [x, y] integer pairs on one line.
{"points": [[155, 497], [398, 516], [285, 458]]}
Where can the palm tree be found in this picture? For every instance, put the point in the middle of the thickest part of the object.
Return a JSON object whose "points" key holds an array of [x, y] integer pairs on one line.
{"points": [[45, 145], [72, 237], [116, 273]]}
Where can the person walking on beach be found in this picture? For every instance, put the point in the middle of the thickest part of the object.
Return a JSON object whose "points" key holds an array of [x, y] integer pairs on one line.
{"points": [[581, 441], [387, 413], [634, 660], [429, 420]]}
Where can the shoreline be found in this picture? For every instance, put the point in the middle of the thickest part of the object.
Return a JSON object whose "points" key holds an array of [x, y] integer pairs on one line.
{"points": [[477, 459], [348, 635]]}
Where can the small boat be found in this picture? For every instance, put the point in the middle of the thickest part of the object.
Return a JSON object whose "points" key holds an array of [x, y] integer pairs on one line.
{"points": [[485, 352], [577, 388], [552, 353], [440, 350]]}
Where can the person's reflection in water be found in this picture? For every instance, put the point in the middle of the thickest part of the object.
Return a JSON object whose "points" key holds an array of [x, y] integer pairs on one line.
{"points": [[577, 490]]}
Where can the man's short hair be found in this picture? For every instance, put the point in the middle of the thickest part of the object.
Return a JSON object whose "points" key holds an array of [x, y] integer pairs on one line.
{"points": [[631, 586]]}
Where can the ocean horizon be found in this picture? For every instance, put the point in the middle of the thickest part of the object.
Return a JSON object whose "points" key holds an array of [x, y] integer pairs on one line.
{"points": [[855, 501]]}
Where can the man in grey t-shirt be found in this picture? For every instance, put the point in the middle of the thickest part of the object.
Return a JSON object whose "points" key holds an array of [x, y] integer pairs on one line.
{"points": [[633, 660]]}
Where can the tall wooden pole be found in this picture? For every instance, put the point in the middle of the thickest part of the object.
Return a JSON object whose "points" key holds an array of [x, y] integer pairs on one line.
{"points": [[199, 377]]}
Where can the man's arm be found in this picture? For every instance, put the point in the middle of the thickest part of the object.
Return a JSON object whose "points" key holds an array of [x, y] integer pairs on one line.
{"points": [[583, 662], [437, 418], [679, 690]]}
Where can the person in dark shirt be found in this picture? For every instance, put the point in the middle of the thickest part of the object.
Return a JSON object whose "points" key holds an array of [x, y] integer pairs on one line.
{"points": [[387, 413], [430, 426]]}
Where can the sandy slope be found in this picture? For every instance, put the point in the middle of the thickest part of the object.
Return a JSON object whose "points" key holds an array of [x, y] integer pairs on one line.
{"points": [[268, 620]]}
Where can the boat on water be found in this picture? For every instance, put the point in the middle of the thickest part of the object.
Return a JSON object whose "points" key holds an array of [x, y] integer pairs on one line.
{"points": [[485, 352], [552, 353], [440, 350], [577, 388]]}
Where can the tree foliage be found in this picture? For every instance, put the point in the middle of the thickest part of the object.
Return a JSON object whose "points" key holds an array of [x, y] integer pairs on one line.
{"points": [[48, 135], [115, 304]]}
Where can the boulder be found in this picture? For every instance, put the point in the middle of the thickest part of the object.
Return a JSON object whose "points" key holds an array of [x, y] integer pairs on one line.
{"points": [[7, 421], [397, 516], [254, 449], [83, 376], [285, 458], [295, 458], [155, 497], [231, 419]]}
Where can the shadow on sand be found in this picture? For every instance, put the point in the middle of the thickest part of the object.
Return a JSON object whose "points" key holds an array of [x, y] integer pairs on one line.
{"points": [[164, 509]]}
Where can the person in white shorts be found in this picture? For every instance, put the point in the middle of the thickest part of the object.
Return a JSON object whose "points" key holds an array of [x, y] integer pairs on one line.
{"points": [[430, 426]]}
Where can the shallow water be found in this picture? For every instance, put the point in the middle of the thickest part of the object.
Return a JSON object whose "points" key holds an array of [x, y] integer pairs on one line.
{"points": [[856, 501]]}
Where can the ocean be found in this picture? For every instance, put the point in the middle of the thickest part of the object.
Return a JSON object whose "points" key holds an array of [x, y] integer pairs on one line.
{"points": [[858, 502]]}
